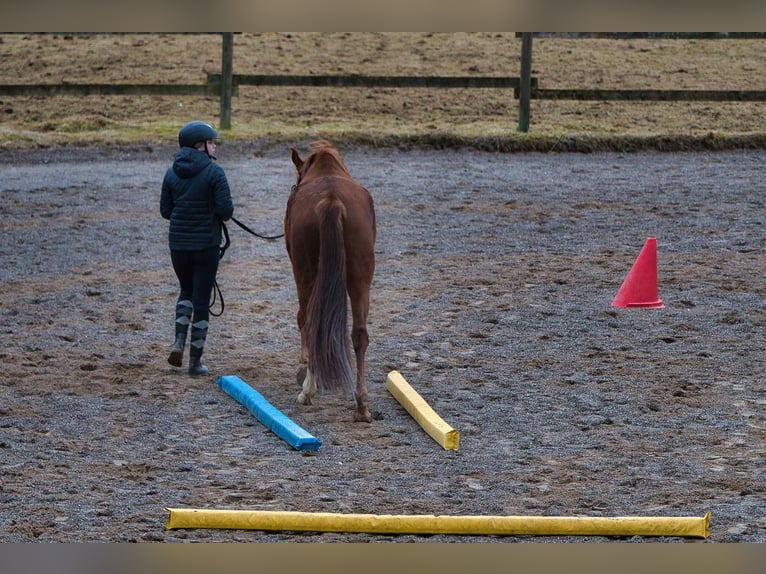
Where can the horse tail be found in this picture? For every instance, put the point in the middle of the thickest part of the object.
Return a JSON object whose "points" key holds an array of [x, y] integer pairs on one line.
{"points": [[327, 342]]}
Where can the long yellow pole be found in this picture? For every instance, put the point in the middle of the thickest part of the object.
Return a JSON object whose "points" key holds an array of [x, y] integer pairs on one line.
{"points": [[429, 524]]}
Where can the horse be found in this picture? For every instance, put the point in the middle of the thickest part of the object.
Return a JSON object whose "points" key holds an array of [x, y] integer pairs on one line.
{"points": [[330, 232]]}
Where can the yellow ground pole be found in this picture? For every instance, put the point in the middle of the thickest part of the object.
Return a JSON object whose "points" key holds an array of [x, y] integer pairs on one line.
{"points": [[421, 411], [694, 527]]}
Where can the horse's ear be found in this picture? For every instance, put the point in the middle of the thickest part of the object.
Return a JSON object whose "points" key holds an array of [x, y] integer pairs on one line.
{"points": [[296, 159]]}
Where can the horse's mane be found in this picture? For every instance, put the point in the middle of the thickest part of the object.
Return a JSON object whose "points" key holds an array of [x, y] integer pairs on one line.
{"points": [[323, 153]]}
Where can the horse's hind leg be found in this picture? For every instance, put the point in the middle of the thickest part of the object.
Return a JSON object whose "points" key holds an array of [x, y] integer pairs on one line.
{"points": [[362, 413], [309, 389], [303, 376], [360, 304]]}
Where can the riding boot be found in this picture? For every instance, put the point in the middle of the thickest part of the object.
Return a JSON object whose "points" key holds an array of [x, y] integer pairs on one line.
{"points": [[196, 367], [183, 319], [177, 352], [197, 345]]}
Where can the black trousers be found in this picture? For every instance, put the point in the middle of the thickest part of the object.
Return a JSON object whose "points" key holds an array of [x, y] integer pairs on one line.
{"points": [[196, 272]]}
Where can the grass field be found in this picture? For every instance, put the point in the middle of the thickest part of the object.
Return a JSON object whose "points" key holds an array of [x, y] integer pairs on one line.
{"points": [[440, 117]]}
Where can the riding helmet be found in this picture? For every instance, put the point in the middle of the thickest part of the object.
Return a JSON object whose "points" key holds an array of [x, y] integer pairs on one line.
{"points": [[194, 132]]}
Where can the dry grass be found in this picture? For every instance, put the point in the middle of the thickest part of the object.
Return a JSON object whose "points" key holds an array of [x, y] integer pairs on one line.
{"points": [[481, 117]]}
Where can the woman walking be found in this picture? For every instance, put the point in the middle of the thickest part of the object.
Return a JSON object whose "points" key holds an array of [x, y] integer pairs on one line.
{"points": [[195, 198]]}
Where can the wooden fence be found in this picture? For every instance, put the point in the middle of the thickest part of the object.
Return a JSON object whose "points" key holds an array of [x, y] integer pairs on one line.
{"points": [[525, 87]]}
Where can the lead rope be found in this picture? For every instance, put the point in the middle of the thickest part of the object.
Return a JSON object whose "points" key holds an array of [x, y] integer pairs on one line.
{"points": [[217, 294], [251, 232]]}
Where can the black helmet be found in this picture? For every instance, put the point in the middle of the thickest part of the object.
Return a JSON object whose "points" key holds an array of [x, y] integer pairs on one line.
{"points": [[194, 132]]}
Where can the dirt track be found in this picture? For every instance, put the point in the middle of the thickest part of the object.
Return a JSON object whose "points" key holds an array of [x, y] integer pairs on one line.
{"points": [[492, 297]]}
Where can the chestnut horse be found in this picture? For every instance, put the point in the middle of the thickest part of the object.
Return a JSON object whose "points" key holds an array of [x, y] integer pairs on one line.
{"points": [[330, 239]]}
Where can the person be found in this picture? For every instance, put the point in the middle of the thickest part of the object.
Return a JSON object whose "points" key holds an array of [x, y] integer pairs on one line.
{"points": [[195, 198]]}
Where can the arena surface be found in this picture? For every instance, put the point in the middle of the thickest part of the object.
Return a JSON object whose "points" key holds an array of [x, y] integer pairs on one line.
{"points": [[492, 298]]}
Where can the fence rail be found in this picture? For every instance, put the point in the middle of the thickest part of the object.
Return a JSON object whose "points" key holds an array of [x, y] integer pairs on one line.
{"points": [[108, 90], [213, 88], [359, 81], [652, 95]]}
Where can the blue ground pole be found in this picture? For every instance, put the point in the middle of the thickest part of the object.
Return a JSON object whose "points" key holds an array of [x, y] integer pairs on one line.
{"points": [[271, 417]]}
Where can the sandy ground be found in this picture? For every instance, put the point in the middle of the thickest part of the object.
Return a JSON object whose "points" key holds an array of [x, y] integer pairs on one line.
{"points": [[492, 297]]}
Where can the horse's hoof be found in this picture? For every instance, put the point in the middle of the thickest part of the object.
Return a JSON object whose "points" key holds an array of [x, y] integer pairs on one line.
{"points": [[304, 399], [363, 417]]}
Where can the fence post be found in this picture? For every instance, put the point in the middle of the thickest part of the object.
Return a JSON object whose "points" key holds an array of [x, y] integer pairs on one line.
{"points": [[525, 81], [227, 72]]}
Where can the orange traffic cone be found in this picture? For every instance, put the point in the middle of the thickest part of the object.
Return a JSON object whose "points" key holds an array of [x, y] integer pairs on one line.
{"points": [[640, 286]]}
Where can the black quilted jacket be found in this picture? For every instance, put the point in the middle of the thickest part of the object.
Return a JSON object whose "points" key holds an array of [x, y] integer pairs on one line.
{"points": [[195, 198]]}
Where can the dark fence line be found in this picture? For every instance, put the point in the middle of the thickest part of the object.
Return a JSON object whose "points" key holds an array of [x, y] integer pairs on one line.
{"points": [[359, 81], [214, 82], [652, 95], [213, 88], [651, 35], [109, 90]]}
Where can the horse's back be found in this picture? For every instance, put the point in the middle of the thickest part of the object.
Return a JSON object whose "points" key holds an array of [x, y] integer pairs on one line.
{"points": [[359, 210]]}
